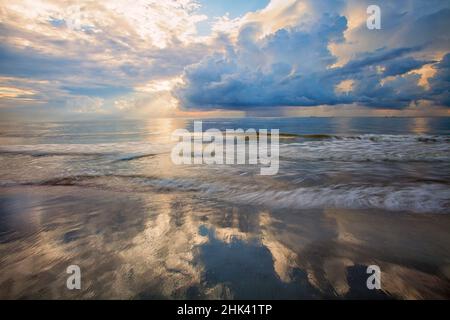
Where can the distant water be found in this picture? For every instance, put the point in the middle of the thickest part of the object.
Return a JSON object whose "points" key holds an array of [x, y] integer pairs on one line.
{"points": [[105, 195]]}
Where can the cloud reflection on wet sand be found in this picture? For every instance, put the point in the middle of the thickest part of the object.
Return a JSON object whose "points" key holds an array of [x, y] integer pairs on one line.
{"points": [[177, 245]]}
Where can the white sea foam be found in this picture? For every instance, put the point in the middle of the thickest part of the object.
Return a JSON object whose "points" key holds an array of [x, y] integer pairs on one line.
{"points": [[425, 198], [371, 148], [418, 197], [230, 185]]}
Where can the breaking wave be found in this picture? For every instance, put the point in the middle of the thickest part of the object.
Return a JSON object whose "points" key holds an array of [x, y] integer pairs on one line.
{"points": [[420, 197], [399, 148], [123, 151]]}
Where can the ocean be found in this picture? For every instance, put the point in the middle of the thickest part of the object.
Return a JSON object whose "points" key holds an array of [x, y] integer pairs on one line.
{"points": [[105, 196]]}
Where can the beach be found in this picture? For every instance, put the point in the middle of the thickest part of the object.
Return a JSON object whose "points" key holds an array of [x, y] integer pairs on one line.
{"points": [[350, 193]]}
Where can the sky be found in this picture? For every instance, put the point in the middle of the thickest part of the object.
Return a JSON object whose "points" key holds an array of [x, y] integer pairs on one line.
{"points": [[67, 59]]}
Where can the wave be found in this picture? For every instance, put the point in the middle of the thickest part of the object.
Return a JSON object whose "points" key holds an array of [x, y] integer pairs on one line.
{"points": [[124, 151], [367, 147], [431, 197], [374, 137], [399, 148], [135, 157], [117, 182], [425, 198]]}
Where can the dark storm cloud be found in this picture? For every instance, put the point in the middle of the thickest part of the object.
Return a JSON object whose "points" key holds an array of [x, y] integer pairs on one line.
{"points": [[293, 67], [440, 83]]}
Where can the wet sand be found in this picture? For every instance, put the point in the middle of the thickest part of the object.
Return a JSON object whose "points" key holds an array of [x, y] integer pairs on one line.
{"points": [[177, 245]]}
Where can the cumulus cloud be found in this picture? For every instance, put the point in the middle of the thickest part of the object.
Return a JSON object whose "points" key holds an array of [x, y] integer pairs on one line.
{"points": [[297, 66], [284, 68]]}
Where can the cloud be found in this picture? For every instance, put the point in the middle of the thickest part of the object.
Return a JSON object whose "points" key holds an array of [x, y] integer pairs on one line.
{"points": [[283, 68], [89, 50], [440, 83], [296, 65], [293, 68], [400, 66]]}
